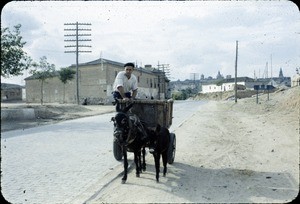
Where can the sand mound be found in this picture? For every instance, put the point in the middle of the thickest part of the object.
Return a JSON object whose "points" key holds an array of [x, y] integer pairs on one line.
{"points": [[282, 99], [289, 98]]}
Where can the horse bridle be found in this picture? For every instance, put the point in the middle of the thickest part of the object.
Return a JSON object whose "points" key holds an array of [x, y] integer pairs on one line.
{"points": [[123, 129]]}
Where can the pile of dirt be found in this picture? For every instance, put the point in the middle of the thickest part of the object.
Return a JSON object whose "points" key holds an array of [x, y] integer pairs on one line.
{"points": [[65, 112], [60, 111], [288, 98], [283, 98], [225, 95]]}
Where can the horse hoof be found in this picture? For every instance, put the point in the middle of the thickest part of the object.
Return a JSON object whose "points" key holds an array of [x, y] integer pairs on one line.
{"points": [[137, 175], [123, 181]]}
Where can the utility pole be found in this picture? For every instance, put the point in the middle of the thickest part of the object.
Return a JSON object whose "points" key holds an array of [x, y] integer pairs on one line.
{"points": [[161, 78], [271, 71], [235, 80], [194, 76], [77, 37]]}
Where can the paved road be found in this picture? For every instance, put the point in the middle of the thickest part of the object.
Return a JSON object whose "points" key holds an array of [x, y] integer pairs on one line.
{"points": [[65, 162]]}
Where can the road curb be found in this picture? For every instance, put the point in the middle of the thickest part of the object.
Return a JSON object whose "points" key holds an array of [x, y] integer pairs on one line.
{"points": [[18, 114]]}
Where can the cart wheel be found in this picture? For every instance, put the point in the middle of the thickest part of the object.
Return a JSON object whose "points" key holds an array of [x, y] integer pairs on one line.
{"points": [[117, 151], [172, 148]]}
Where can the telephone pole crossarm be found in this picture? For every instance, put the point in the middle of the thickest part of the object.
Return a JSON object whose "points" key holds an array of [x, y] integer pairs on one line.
{"points": [[75, 37]]}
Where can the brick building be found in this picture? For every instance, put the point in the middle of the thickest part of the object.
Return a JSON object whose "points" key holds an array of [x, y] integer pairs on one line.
{"points": [[96, 80]]}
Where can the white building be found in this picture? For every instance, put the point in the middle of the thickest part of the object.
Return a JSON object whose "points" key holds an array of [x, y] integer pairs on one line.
{"points": [[228, 85], [295, 80]]}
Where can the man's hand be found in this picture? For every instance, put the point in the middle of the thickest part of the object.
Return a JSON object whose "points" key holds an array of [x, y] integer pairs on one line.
{"points": [[126, 99]]}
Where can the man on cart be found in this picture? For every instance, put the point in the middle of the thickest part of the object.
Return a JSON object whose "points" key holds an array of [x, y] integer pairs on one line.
{"points": [[125, 88], [125, 85]]}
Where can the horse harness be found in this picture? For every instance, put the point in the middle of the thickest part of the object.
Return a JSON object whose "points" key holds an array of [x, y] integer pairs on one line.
{"points": [[135, 128]]}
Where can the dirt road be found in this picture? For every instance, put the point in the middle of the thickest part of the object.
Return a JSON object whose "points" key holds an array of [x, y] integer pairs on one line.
{"points": [[226, 152]]}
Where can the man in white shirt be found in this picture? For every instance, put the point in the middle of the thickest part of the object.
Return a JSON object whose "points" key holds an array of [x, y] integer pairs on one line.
{"points": [[125, 85], [125, 88]]}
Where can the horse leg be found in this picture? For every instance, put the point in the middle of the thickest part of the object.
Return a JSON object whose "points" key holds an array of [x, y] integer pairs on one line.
{"points": [[144, 160], [157, 165], [125, 165], [136, 161], [140, 161], [165, 161]]}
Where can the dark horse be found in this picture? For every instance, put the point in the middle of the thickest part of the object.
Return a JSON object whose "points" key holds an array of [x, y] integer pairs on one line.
{"points": [[132, 137], [160, 140]]}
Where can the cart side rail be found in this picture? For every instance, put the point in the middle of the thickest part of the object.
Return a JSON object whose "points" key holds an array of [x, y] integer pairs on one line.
{"points": [[152, 112]]}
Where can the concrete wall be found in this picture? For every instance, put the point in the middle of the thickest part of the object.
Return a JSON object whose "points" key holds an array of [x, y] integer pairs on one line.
{"points": [[18, 114], [53, 91]]}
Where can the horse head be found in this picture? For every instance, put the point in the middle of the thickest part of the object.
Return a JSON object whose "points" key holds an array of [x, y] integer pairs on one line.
{"points": [[153, 135], [122, 125]]}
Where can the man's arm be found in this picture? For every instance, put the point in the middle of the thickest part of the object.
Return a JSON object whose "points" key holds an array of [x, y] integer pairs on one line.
{"points": [[134, 93], [121, 91]]}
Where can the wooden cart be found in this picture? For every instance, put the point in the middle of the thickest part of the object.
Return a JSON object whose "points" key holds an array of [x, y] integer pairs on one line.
{"points": [[152, 112]]}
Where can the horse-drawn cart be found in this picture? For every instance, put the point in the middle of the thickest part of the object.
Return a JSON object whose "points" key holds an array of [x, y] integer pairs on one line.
{"points": [[151, 113]]}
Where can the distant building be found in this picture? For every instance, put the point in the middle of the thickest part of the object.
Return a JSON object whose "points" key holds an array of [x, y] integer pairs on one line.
{"points": [[243, 83], [296, 80], [227, 84], [281, 73], [209, 84], [181, 85], [96, 80], [10, 92], [219, 76]]}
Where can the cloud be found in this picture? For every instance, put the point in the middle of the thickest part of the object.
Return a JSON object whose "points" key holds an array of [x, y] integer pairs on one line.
{"points": [[193, 37]]}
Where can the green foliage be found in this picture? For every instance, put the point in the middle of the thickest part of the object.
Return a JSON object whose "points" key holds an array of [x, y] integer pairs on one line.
{"points": [[220, 82], [14, 59], [177, 96], [183, 94], [44, 69], [66, 74]]}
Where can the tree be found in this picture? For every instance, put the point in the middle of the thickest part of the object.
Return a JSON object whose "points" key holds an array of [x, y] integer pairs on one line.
{"points": [[14, 59], [47, 70], [66, 74], [183, 94]]}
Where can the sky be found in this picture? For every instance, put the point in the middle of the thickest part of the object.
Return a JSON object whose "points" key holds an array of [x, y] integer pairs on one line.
{"points": [[191, 37]]}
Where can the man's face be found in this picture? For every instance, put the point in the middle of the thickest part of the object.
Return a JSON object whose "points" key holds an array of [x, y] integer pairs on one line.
{"points": [[128, 70]]}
